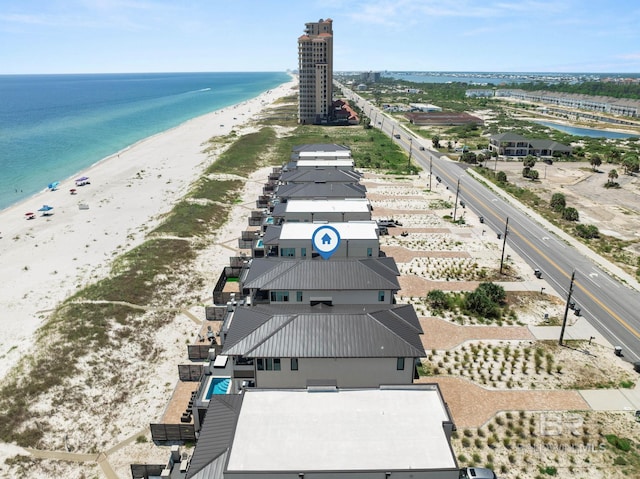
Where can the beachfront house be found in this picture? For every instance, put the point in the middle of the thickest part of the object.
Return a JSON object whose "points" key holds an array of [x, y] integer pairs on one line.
{"points": [[326, 433], [334, 281], [319, 190], [341, 210], [358, 239], [319, 174], [294, 345]]}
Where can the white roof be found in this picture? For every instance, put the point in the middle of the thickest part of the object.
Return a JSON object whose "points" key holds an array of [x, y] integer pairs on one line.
{"points": [[348, 231], [325, 154], [342, 430], [351, 205], [323, 162]]}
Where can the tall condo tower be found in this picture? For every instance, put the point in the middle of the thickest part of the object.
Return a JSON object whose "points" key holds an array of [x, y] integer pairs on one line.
{"points": [[315, 65]]}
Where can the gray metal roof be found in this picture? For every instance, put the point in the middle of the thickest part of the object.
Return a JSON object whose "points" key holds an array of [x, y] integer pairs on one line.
{"points": [[272, 234], [320, 174], [534, 143], [321, 190], [341, 331], [279, 210], [216, 435], [326, 275]]}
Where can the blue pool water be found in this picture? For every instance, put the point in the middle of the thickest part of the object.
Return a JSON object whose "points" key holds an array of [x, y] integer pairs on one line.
{"points": [[217, 386]]}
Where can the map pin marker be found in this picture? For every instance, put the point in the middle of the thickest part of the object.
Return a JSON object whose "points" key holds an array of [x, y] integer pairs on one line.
{"points": [[325, 241]]}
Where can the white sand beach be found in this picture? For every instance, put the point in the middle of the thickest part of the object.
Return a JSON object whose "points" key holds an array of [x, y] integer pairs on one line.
{"points": [[46, 259]]}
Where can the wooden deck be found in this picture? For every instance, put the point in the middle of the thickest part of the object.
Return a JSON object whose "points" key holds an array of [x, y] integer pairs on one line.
{"points": [[179, 402]]}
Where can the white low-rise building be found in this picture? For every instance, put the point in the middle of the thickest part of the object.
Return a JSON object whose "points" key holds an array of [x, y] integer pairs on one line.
{"points": [[325, 433]]}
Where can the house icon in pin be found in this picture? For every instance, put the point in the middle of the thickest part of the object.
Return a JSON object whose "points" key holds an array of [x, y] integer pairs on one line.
{"points": [[326, 239]]}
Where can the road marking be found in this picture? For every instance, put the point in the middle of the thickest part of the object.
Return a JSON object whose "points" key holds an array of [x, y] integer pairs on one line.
{"points": [[552, 263]]}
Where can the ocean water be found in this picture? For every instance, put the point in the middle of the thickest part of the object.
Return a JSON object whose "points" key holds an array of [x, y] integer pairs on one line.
{"points": [[53, 126]]}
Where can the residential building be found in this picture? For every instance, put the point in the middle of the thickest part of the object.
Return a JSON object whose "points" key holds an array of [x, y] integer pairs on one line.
{"points": [[326, 433], [319, 190], [319, 175], [604, 104], [333, 281], [294, 345], [304, 211], [358, 239], [512, 144], [315, 70]]}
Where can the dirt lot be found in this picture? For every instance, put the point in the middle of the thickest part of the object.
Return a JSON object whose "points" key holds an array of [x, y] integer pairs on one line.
{"points": [[615, 211]]}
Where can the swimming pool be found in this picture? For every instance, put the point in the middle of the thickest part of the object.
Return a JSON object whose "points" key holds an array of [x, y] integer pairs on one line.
{"points": [[217, 386]]}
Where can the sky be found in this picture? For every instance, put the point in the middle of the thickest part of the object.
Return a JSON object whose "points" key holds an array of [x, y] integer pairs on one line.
{"points": [[113, 36]]}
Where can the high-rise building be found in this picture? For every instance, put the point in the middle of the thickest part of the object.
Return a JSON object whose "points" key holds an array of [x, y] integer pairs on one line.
{"points": [[315, 59]]}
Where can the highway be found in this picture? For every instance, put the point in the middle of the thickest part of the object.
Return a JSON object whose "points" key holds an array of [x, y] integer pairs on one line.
{"points": [[612, 307]]}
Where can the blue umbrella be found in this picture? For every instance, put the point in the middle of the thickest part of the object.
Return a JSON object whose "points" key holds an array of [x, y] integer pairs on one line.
{"points": [[53, 185], [45, 208]]}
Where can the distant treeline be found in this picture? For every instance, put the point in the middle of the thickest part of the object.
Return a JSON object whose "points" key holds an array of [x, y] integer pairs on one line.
{"points": [[614, 90]]}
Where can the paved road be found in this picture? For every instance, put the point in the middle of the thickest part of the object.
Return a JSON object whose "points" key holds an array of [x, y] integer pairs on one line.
{"points": [[611, 306]]}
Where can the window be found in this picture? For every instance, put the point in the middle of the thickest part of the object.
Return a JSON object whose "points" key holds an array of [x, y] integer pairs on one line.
{"points": [[288, 252], [400, 364], [303, 252], [299, 296], [268, 364], [369, 252], [380, 295], [279, 296], [294, 364]]}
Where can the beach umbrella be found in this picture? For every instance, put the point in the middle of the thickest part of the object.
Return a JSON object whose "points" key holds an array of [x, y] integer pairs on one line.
{"points": [[73, 191], [82, 178], [30, 215], [45, 208], [53, 185]]}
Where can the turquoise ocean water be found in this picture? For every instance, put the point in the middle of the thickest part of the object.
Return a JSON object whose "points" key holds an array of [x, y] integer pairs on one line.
{"points": [[54, 126]]}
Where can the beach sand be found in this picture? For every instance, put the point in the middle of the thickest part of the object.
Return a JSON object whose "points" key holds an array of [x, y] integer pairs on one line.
{"points": [[46, 259]]}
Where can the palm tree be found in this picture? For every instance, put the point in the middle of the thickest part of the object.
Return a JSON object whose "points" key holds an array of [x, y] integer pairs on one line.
{"points": [[595, 161], [613, 175]]}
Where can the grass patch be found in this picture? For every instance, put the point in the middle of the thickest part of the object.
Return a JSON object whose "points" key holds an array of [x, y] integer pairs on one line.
{"points": [[246, 155]]}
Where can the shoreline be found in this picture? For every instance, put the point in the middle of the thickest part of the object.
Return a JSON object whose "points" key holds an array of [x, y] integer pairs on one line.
{"points": [[49, 258], [116, 154]]}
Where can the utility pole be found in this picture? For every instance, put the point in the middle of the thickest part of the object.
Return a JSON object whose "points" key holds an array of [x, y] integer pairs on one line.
{"points": [[430, 169], [504, 243], [410, 150], [566, 308], [455, 207]]}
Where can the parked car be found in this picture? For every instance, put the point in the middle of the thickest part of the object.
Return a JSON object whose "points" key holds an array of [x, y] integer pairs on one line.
{"points": [[396, 136], [422, 148], [477, 473]]}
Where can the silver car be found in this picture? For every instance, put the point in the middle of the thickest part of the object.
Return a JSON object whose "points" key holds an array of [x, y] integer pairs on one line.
{"points": [[477, 473]]}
